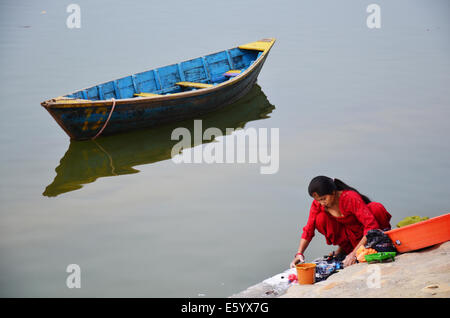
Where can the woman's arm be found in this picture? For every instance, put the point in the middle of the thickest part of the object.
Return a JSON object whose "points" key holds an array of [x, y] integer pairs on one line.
{"points": [[303, 245], [307, 235], [350, 259], [299, 257]]}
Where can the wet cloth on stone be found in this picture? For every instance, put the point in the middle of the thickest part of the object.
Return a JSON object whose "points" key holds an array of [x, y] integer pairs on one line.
{"points": [[379, 241]]}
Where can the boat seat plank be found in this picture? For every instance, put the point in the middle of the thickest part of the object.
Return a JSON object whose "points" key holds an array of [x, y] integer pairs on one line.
{"points": [[232, 73], [192, 84], [146, 95]]}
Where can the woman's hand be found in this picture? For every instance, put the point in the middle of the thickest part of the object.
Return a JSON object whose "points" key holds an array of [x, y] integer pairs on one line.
{"points": [[299, 258], [350, 259]]}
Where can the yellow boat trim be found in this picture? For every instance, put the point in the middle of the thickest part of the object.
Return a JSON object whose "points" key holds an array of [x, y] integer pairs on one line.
{"points": [[192, 84], [261, 45], [146, 95], [68, 100]]}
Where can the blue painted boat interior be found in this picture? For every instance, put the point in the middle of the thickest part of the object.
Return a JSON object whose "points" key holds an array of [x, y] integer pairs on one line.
{"points": [[209, 69]]}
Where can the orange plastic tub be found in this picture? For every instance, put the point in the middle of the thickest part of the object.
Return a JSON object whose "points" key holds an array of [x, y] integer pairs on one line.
{"points": [[423, 234]]}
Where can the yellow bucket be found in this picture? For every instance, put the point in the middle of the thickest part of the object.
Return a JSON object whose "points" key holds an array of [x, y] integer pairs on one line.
{"points": [[306, 273]]}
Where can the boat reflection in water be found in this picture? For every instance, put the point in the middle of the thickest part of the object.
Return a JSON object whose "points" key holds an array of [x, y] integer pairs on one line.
{"points": [[86, 161]]}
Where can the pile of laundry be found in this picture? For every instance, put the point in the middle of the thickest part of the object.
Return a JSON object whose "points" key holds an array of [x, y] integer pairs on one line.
{"points": [[327, 266], [378, 245], [378, 248]]}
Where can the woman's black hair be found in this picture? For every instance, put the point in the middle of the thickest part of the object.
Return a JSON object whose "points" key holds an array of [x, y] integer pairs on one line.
{"points": [[323, 185]]}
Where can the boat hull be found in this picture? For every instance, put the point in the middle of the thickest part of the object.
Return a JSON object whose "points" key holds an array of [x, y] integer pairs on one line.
{"points": [[84, 121]]}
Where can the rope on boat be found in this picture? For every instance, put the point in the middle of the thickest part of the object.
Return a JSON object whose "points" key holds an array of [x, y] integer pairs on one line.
{"points": [[107, 120]]}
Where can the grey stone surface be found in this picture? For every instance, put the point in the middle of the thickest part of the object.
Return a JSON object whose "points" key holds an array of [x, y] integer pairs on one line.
{"points": [[423, 273]]}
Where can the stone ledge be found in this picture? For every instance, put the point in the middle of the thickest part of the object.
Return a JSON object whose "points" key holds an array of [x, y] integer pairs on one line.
{"points": [[424, 273]]}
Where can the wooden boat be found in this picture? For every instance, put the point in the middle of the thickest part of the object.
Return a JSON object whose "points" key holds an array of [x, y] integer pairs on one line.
{"points": [[171, 93], [422, 234], [86, 161]]}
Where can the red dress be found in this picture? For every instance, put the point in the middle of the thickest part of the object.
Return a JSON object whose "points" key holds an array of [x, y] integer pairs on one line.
{"points": [[346, 231]]}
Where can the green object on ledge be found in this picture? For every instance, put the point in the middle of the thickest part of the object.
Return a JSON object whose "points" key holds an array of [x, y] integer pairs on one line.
{"points": [[411, 220], [380, 257]]}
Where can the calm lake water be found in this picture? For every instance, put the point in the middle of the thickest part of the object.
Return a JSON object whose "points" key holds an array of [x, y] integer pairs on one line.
{"points": [[368, 106]]}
